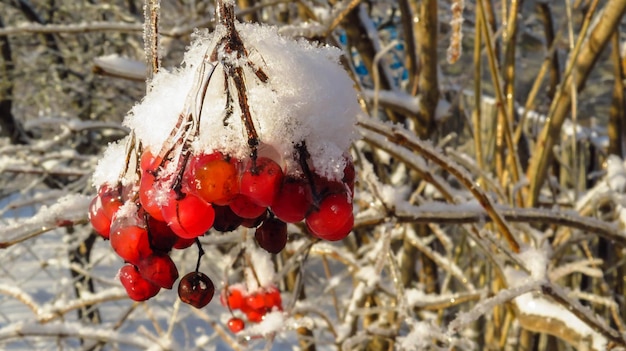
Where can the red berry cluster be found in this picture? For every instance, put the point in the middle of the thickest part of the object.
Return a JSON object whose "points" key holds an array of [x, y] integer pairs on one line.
{"points": [[253, 305]]}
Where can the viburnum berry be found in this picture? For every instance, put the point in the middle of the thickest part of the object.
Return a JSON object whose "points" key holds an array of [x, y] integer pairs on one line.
{"points": [[183, 243], [293, 200], [130, 240], [102, 209], [137, 287], [271, 235], [196, 289], [233, 298], [261, 180], [214, 179], [148, 193], [334, 219], [244, 207], [189, 217], [236, 325], [159, 269], [162, 237], [273, 298], [255, 301], [225, 219]]}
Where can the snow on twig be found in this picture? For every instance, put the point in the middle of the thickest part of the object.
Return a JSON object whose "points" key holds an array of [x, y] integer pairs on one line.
{"points": [[68, 210]]}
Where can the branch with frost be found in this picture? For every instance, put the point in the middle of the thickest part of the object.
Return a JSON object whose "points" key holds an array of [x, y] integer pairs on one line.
{"points": [[68, 210], [399, 135], [443, 213], [51, 311], [76, 330]]}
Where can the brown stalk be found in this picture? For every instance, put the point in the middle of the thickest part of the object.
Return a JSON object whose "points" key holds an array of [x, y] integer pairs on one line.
{"points": [[477, 112], [583, 59], [512, 160], [617, 113], [427, 29]]}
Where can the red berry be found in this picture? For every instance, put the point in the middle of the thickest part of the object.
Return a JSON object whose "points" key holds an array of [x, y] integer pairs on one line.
{"points": [[255, 316], [244, 207], [236, 325], [273, 298], [225, 219], [255, 301], [102, 209], [214, 179], [137, 288], [235, 299], [99, 221], [272, 235], [130, 242], [189, 217], [261, 180], [159, 269], [148, 195], [183, 243], [196, 289], [293, 200], [332, 218]]}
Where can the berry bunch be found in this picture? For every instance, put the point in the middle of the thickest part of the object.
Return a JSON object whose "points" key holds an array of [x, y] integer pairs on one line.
{"points": [[205, 170], [254, 305]]}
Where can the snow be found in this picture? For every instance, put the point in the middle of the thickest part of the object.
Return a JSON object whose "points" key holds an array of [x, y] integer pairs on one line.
{"points": [[308, 97]]}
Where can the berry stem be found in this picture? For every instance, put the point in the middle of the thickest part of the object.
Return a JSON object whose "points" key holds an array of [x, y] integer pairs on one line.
{"points": [[200, 254], [303, 157]]}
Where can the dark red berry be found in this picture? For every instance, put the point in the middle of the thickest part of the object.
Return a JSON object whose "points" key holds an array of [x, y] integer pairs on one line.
{"points": [[225, 219], [271, 235], [244, 207], [196, 289]]}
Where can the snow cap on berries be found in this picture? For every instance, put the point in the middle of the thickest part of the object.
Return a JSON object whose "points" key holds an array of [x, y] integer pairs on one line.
{"points": [[307, 97]]}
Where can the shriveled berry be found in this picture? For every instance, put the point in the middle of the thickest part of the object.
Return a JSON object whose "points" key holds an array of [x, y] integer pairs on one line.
{"points": [[196, 289], [271, 235], [159, 269], [236, 325], [137, 287], [261, 181]]}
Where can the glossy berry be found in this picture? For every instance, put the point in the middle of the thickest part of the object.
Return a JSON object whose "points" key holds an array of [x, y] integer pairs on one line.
{"points": [[214, 179], [293, 200], [271, 235], [137, 287], [233, 298], [333, 218], [196, 289], [255, 301], [102, 209], [183, 243], [236, 325], [131, 242], [261, 181], [254, 222], [244, 207], [273, 299], [159, 269], [149, 196], [225, 219], [189, 217]]}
